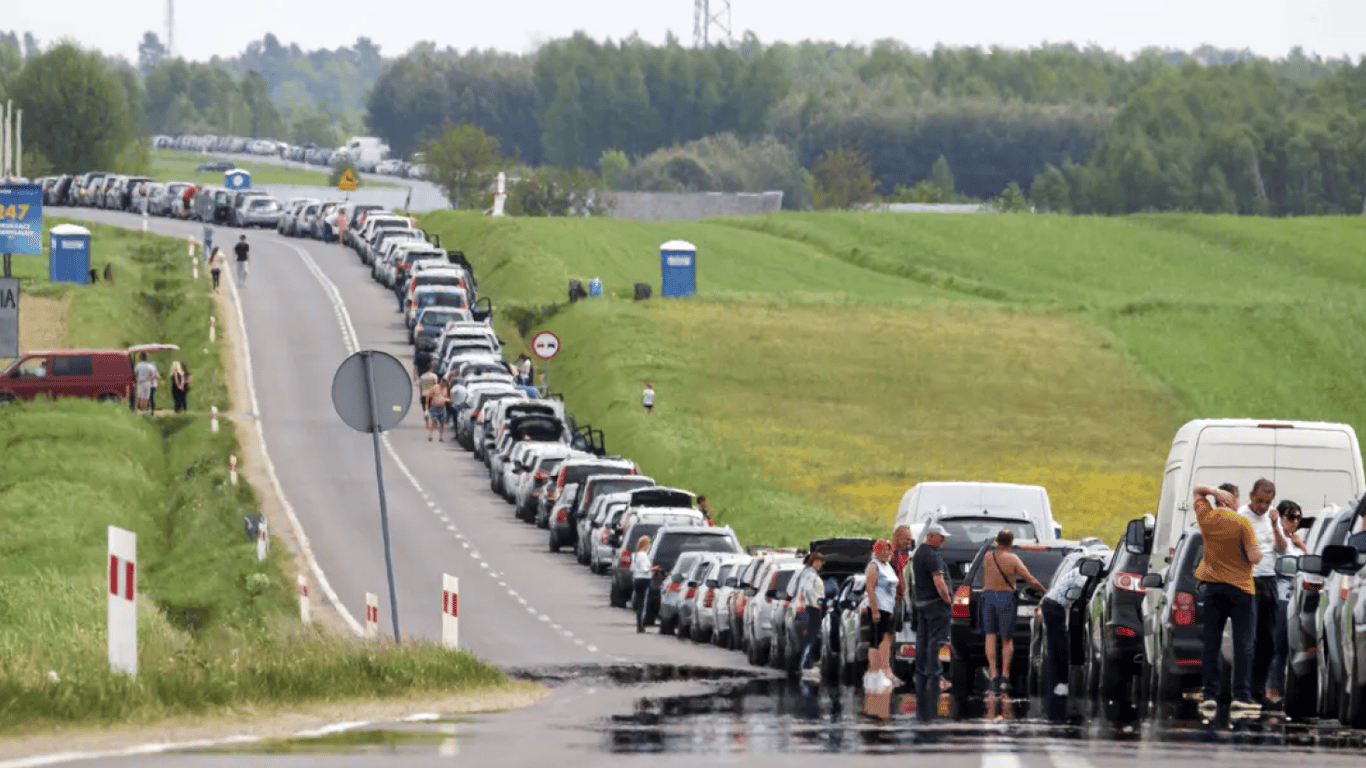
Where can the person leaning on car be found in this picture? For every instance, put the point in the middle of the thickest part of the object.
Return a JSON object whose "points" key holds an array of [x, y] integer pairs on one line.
{"points": [[1225, 573], [934, 606]]}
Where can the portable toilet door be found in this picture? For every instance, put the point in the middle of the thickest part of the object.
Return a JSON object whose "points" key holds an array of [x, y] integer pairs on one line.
{"points": [[68, 259], [678, 265], [237, 179]]}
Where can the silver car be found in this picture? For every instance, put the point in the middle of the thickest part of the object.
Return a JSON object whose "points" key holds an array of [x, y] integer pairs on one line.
{"points": [[258, 211]]}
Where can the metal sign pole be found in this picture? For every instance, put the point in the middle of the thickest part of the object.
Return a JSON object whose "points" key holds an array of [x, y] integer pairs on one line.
{"points": [[383, 505], [7, 274]]}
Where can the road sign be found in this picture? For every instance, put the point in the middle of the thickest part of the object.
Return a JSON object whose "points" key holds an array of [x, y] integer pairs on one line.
{"points": [[351, 396], [21, 219], [348, 181], [9, 317], [545, 345]]}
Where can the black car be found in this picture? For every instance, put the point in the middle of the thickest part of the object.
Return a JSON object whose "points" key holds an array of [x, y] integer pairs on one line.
{"points": [[1114, 646], [967, 645], [1171, 632], [216, 165]]}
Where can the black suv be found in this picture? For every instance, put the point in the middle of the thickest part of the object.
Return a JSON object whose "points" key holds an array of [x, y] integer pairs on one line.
{"points": [[1114, 645], [967, 644]]}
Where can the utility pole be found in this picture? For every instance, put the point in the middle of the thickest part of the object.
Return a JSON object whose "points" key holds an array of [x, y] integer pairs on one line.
{"points": [[705, 20], [170, 29]]}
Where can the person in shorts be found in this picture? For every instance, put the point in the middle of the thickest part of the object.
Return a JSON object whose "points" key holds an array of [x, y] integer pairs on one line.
{"points": [[1000, 570], [425, 381], [437, 397], [647, 399]]}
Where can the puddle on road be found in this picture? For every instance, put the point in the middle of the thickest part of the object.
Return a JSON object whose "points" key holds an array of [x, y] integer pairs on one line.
{"points": [[421, 739]]}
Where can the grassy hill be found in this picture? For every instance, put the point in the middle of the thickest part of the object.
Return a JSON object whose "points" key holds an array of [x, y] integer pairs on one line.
{"points": [[832, 360]]}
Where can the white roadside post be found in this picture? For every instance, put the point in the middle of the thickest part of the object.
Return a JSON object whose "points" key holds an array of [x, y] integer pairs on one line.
{"points": [[262, 541], [213, 418], [123, 604], [194, 267], [232, 469], [371, 614], [450, 611], [213, 327], [144, 221], [303, 598], [189, 246]]}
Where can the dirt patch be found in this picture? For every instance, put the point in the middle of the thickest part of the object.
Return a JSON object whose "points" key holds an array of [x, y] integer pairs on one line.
{"points": [[42, 322], [269, 724]]}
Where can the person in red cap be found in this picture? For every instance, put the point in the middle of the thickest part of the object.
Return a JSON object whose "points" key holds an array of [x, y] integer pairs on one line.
{"points": [[880, 582]]}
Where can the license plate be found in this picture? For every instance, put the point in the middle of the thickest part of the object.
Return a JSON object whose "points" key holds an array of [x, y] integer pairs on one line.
{"points": [[1025, 611]]}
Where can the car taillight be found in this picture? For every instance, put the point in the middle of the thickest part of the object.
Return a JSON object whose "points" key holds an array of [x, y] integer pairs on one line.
{"points": [[961, 597], [541, 474], [1129, 582], [561, 516], [625, 561], [709, 599], [1343, 591], [474, 415], [1312, 586], [674, 586], [689, 594], [1183, 609], [1125, 632]]}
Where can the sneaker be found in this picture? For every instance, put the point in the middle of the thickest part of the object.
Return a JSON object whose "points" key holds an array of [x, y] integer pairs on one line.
{"points": [[1060, 689], [1209, 707], [1244, 707]]}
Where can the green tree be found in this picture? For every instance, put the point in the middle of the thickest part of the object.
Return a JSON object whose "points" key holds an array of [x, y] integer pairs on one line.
{"points": [[551, 191], [844, 179], [150, 53], [942, 176], [265, 120], [339, 168], [1012, 199], [1049, 191], [75, 110], [613, 164], [1216, 196], [464, 162], [314, 127]]}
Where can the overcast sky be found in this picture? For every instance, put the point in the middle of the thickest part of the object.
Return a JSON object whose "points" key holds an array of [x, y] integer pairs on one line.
{"points": [[1331, 28]]}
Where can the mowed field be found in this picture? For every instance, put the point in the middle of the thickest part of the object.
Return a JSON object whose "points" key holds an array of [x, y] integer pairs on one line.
{"points": [[832, 360]]}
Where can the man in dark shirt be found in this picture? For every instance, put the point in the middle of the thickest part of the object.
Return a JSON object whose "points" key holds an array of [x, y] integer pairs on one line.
{"points": [[243, 252], [933, 608]]}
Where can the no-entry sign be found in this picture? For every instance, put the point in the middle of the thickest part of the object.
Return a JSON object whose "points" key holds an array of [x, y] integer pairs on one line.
{"points": [[545, 345]]}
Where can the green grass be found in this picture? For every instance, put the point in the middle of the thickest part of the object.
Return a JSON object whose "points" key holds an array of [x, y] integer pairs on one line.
{"points": [[177, 165], [217, 629], [832, 360]]}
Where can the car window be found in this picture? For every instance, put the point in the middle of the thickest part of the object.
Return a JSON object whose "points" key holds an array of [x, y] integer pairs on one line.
{"points": [[1042, 563], [980, 531], [676, 544], [72, 365], [34, 366]]}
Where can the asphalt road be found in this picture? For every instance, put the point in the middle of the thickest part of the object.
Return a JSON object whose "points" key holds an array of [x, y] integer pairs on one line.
{"points": [[306, 307]]}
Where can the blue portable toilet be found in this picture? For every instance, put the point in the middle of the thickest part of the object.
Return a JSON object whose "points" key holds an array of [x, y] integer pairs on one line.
{"points": [[678, 263], [595, 287], [68, 259], [237, 179]]}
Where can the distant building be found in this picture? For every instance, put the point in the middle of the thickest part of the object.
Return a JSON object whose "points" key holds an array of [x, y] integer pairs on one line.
{"points": [[927, 208]]}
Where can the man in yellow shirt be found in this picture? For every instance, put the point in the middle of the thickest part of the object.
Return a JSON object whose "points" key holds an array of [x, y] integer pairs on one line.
{"points": [[1225, 573]]}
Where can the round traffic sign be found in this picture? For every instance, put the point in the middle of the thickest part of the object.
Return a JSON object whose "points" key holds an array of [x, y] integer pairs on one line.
{"points": [[545, 345], [371, 390]]}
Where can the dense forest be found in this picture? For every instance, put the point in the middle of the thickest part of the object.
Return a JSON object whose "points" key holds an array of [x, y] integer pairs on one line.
{"points": [[1076, 129]]}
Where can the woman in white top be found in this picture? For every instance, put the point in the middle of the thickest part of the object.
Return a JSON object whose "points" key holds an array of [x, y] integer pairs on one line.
{"points": [[880, 582], [1288, 515], [641, 571]]}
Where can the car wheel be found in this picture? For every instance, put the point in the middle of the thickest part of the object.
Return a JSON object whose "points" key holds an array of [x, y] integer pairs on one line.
{"points": [[614, 596], [666, 626], [554, 541], [960, 674], [6, 398], [1300, 691]]}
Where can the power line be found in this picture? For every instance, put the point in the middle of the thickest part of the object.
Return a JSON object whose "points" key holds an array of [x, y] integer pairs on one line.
{"points": [[710, 26]]}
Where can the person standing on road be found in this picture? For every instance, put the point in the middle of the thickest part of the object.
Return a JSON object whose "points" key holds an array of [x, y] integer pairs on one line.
{"points": [[1271, 541], [425, 381], [524, 371], [1290, 517], [933, 611], [1000, 570], [216, 266], [642, 570], [647, 399], [341, 227], [1225, 573], [901, 557], [880, 585], [243, 252], [1055, 606], [208, 239], [145, 374], [437, 397], [704, 507], [812, 594]]}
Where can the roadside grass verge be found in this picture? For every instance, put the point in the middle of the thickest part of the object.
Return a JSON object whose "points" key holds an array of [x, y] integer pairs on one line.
{"points": [[178, 165], [1059, 350], [217, 628]]}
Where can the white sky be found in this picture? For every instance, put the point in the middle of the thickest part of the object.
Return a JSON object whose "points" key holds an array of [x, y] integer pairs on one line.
{"points": [[1331, 28]]}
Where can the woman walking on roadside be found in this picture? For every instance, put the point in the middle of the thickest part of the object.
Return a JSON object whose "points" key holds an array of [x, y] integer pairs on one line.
{"points": [[641, 573], [880, 580], [437, 397], [216, 266], [180, 385]]}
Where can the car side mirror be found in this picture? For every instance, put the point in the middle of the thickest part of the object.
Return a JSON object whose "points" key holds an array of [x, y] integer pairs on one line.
{"points": [[1089, 568], [692, 585], [1340, 559], [1309, 564], [1073, 594], [1287, 565], [749, 591], [1136, 538], [1151, 581], [1357, 541]]}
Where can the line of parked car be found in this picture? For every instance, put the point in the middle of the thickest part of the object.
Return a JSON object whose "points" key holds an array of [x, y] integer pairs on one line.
{"points": [[210, 203], [369, 155]]}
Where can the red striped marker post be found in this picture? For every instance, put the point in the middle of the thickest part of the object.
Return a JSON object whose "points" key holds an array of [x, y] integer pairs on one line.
{"points": [[213, 327], [189, 246], [450, 611], [232, 469], [123, 604], [303, 599], [371, 614], [262, 541], [213, 418]]}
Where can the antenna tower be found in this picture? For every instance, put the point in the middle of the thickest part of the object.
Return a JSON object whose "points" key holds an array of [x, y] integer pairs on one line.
{"points": [[170, 28], [711, 26]]}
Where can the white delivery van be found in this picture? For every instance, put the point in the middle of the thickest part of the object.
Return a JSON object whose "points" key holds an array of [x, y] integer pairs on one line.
{"points": [[365, 152], [927, 501], [1313, 463]]}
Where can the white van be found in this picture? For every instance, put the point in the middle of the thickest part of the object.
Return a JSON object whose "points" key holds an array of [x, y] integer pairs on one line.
{"points": [[1313, 463], [365, 152], [927, 501]]}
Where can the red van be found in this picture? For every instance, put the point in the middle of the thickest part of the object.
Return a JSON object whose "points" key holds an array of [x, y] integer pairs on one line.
{"points": [[102, 374]]}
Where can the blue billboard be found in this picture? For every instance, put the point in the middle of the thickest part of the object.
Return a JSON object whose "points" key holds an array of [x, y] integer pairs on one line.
{"points": [[21, 218]]}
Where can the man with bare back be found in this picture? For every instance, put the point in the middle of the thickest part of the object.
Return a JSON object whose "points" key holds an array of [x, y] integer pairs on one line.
{"points": [[1000, 569]]}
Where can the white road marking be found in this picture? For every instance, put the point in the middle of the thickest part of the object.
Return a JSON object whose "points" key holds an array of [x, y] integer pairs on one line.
{"points": [[1067, 758], [1001, 760]]}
